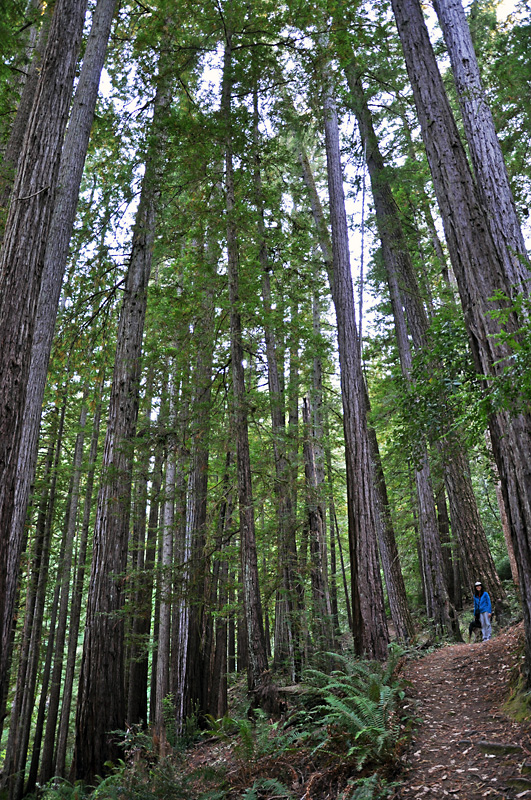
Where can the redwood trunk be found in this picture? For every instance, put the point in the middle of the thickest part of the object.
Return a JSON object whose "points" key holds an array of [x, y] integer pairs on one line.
{"points": [[480, 274], [258, 675], [101, 701], [77, 596], [21, 265], [466, 523], [370, 624], [386, 539], [485, 151]]}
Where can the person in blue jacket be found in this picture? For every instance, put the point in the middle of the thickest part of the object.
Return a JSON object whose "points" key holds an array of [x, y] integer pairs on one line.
{"points": [[483, 607]]}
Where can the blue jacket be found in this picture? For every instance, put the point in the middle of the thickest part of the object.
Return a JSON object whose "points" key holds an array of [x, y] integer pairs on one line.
{"points": [[482, 603]]}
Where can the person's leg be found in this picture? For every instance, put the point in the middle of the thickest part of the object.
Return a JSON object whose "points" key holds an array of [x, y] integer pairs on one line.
{"points": [[486, 628]]}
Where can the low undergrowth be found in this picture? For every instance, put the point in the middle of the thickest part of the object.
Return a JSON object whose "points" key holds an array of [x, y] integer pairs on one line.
{"points": [[341, 738]]}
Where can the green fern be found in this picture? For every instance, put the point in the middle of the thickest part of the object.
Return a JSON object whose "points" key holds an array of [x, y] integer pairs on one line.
{"points": [[356, 708], [267, 787]]}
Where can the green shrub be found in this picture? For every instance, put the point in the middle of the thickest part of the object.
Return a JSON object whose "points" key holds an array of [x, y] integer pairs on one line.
{"points": [[503, 568]]}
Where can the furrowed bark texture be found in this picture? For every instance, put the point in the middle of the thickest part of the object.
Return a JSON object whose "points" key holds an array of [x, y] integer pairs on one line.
{"points": [[55, 259], [370, 624], [480, 273], [251, 593], [198, 666], [396, 590], [21, 264], [101, 702], [20, 123], [323, 637], [77, 596], [286, 629], [406, 295], [485, 151]]}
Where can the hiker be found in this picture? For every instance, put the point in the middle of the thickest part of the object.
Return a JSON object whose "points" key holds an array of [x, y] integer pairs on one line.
{"points": [[483, 607]]}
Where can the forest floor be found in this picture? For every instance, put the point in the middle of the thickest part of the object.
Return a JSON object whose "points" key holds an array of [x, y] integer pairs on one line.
{"points": [[466, 745]]}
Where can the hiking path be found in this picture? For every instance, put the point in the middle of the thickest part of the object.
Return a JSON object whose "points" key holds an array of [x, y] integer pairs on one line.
{"points": [[465, 745]]}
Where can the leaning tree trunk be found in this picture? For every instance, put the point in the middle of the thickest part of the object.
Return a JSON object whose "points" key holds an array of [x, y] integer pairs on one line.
{"points": [[480, 274], [258, 669], [485, 151], [466, 522], [370, 624], [21, 265], [438, 605], [101, 702]]}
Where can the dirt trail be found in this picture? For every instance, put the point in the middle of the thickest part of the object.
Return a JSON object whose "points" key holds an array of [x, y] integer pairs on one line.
{"points": [[466, 747]]}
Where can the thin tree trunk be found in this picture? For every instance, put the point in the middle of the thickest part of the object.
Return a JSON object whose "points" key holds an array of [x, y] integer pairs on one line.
{"points": [[20, 730], [160, 738], [137, 710], [197, 667], [47, 763], [286, 602], [443, 523], [344, 576], [332, 529], [217, 660], [323, 637], [318, 442], [258, 668], [137, 644], [183, 554], [39, 560], [386, 539], [77, 594], [46, 670]]}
